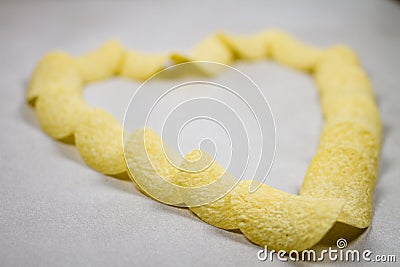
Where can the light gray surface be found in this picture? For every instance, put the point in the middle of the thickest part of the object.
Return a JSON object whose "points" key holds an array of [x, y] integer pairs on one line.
{"points": [[55, 211]]}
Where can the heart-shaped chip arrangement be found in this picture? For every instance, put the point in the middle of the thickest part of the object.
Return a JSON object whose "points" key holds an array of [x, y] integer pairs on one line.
{"points": [[338, 183]]}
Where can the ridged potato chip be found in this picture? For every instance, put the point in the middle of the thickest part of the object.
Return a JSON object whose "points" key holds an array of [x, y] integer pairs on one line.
{"points": [[102, 63], [60, 109], [153, 166], [292, 53], [284, 221], [141, 66], [202, 170], [98, 138], [342, 173], [247, 47], [56, 69]]}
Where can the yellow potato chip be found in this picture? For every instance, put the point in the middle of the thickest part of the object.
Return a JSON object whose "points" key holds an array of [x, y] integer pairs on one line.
{"points": [[141, 66], [248, 47], [333, 103], [292, 53], [356, 109], [153, 166], [350, 135], [282, 221], [198, 169], [337, 55], [98, 139], [60, 109], [342, 78], [238, 200], [202, 170], [352, 89], [342, 173], [101, 63], [54, 70], [210, 49], [339, 181], [178, 58]]}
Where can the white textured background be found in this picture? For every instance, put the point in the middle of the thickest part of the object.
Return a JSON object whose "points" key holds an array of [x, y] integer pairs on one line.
{"points": [[54, 211]]}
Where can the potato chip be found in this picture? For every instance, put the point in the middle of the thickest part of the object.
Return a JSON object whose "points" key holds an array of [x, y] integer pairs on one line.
{"points": [[356, 109], [202, 170], [210, 49], [247, 47], [98, 139], [332, 104], [238, 200], [341, 78], [354, 136], [141, 66], [339, 181], [342, 173], [337, 55], [54, 70], [59, 110], [102, 63], [282, 221], [349, 90], [292, 53], [198, 169], [153, 165]]}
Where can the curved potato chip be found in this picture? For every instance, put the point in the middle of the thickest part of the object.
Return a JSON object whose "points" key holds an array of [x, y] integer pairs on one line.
{"points": [[337, 55], [359, 110], [351, 90], [54, 70], [141, 66], [344, 168], [101, 63], [342, 173], [98, 139], [283, 221], [198, 169], [292, 53], [59, 110], [247, 47], [211, 49], [146, 158], [238, 199], [341, 78], [217, 213], [350, 135], [332, 104]]}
